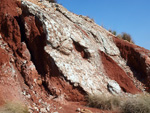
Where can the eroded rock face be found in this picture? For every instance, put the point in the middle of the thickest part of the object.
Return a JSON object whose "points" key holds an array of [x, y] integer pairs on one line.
{"points": [[138, 59], [48, 52]]}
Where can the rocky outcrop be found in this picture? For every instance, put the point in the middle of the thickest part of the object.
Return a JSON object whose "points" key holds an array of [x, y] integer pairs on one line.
{"points": [[48, 53], [138, 59]]}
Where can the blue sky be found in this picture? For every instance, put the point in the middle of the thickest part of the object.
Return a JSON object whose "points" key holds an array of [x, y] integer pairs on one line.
{"points": [[130, 16]]}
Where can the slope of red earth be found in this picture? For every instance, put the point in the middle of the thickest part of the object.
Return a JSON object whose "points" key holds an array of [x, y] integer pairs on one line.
{"points": [[26, 51], [137, 58], [9, 31], [116, 73]]}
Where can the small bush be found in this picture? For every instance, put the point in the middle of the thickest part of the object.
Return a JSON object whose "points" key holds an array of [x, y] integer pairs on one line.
{"points": [[140, 104], [127, 37], [123, 36], [53, 1], [119, 36], [137, 104], [103, 102], [113, 32], [13, 108]]}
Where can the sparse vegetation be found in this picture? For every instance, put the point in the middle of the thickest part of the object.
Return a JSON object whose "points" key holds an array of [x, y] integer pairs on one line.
{"points": [[135, 104], [103, 102], [11, 107], [113, 32], [123, 36], [140, 104], [127, 37], [53, 1]]}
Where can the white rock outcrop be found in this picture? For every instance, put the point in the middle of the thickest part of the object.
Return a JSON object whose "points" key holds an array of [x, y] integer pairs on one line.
{"points": [[114, 87], [74, 42]]}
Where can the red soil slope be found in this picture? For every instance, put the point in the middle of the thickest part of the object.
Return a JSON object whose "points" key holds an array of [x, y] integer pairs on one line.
{"points": [[138, 60], [116, 73]]}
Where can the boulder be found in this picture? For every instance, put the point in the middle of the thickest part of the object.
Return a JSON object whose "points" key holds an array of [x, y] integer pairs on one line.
{"points": [[113, 87]]}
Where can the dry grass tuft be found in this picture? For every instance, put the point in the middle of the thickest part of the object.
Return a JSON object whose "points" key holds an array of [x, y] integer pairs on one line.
{"points": [[139, 104], [103, 102], [135, 104], [11, 107]]}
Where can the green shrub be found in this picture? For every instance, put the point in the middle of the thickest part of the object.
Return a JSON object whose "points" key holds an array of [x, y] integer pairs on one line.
{"points": [[127, 37], [13, 108], [113, 32]]}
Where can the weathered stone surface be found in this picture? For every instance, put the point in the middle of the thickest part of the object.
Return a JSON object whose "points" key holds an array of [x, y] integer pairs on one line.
{"points": [[50, 54], [113, 87], [74, 44]]}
